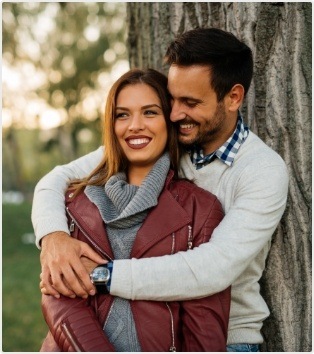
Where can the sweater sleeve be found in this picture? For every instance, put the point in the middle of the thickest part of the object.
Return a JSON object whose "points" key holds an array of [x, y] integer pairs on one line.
{"points": [[74, 325], [48, 213], [259, 202]]}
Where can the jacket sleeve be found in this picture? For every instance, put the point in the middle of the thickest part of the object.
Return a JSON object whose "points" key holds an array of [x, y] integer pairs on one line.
{"points": [[74, 325], [205, 321], [50, 216]]}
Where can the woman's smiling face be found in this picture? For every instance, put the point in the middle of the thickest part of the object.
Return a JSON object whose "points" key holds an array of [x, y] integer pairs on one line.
{"points": [[140, 125]]}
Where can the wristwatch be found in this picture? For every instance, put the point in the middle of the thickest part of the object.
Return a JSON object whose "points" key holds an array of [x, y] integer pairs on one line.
{"points": [[100, 277]]}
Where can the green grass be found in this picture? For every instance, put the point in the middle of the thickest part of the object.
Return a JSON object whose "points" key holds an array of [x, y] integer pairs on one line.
{"points": [[23, 327]]}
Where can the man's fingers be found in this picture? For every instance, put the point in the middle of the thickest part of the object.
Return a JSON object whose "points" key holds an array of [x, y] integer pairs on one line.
{"points": [[60, 261], [58, 284], [88, 252], [46, 283], [78, 278], [44, 291]]}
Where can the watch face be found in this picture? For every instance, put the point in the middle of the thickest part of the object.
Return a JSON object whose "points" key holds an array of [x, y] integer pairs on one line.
{"points": [[100, 275]]}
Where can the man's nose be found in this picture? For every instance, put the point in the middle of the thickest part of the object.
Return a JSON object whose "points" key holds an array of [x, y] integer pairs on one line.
{"points": [[177, 112], [137, 123]]}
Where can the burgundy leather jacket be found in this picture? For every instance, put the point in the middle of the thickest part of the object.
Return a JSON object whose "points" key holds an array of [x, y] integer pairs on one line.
{"points": [[184, 218]]}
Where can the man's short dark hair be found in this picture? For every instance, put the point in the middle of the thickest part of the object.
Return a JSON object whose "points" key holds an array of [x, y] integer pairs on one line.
{"points": [[230, 61]]}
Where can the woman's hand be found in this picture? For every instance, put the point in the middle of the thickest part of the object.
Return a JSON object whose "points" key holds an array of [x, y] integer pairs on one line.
{"points": [[66, 264]]}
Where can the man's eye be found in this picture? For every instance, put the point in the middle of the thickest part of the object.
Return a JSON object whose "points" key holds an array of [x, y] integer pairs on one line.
{"points": [[190, 103]]}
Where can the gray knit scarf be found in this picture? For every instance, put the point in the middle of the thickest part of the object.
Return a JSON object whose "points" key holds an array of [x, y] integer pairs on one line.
{"points": [[123, 208]]}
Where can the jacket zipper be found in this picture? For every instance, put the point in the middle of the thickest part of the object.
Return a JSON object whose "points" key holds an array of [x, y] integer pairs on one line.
{"points": [[74, 222], [107, 318], [173, 243], [190, 237], [190, 244], [172, 347], [70, 337]]}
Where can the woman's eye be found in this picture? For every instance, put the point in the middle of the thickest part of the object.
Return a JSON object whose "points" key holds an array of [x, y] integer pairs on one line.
{"points": [[150, 113], [120, 115]]}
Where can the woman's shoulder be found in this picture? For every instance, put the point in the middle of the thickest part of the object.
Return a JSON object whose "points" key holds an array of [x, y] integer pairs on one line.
{"points": [[199, 203], [188, 189]]}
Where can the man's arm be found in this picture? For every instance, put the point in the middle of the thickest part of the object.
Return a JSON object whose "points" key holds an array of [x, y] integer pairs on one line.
{"points": [[245, 230], [60, 254], [212, 267], [48, 211]]}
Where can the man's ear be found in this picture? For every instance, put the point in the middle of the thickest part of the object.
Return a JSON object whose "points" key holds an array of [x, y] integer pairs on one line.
{"points": [[235, 98]]}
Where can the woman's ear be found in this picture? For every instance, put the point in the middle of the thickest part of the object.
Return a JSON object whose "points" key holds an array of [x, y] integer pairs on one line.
{"points": [[235, 97]]}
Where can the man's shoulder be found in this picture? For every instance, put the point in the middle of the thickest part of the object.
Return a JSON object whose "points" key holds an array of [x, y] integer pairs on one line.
{"points": [[258, 164], [255, 152], [254, 157]]}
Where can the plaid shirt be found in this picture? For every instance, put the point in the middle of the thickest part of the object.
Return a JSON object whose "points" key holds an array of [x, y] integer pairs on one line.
{"points": [[226, 153]]}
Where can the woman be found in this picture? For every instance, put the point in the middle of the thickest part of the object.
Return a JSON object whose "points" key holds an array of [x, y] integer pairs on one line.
{"points": [[134, 205]]}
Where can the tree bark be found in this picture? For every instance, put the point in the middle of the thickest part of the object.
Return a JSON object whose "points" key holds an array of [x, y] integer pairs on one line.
{"points": [[278, 109]]}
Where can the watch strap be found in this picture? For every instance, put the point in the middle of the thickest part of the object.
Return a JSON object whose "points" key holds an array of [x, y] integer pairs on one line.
{"points": [[110, 268], [102, 289]]}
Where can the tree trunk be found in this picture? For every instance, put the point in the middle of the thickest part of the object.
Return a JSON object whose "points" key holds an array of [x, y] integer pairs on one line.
{"points": [[278, 109]]}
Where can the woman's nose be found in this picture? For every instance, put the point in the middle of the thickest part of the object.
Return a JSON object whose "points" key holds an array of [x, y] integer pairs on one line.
{"points": [[137, 123]]}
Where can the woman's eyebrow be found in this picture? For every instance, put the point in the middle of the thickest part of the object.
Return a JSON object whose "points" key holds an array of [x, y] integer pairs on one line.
{"points": [[151, 105], [143, 107], [123, 108]]}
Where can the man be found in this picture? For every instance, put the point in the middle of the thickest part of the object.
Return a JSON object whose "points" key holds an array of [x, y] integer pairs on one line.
{"points": [[210, 73]]}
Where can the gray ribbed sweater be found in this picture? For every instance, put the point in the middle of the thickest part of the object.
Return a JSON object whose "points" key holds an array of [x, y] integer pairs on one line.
{"points": [[123, 208]]}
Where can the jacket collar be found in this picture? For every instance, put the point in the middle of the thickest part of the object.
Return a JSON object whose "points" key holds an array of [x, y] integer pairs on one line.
{"points": [[89, 221], [169, 179]]}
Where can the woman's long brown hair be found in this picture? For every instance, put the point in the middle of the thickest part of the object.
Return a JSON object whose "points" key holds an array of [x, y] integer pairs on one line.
{"points": [[114, 160]]}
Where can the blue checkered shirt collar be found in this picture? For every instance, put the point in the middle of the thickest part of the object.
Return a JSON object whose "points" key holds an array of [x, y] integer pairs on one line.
{"points": [[226, 153]]}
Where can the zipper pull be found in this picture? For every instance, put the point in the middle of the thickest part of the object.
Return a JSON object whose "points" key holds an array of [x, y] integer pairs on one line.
{"points": [[172, 349], [72, 226], [190, 237]]}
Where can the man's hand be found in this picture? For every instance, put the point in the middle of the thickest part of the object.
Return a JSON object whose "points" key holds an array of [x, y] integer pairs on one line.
{"points": [[63, 271]]}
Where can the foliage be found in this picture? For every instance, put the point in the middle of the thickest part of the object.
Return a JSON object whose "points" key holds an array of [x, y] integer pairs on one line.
{"points": [[77, 43], [23, 327], [59, 60], [26, 158]]}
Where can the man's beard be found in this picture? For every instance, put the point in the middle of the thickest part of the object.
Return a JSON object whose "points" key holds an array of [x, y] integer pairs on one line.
{"points": [[209, 131]]}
